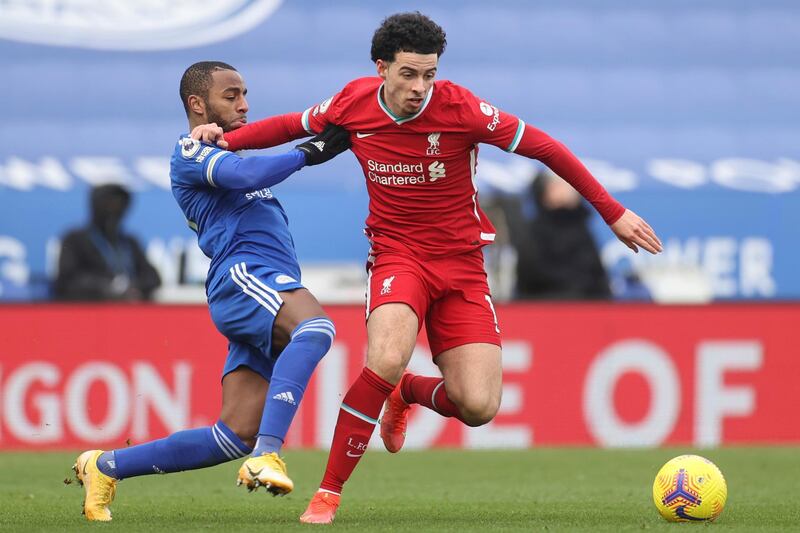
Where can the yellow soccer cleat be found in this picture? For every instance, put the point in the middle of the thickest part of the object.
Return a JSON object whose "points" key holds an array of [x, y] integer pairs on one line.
{"points": [[100, 488], [268, 471]]}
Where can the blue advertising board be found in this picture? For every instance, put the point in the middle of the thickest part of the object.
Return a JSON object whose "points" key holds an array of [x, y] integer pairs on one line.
{"points": [[688, 112]]}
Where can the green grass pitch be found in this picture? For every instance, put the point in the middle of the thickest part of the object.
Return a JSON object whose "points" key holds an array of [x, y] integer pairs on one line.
{"points": [[569, 489]]}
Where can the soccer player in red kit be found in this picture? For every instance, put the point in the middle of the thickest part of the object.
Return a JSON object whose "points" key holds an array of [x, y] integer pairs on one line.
{"points": [[417, 142]]}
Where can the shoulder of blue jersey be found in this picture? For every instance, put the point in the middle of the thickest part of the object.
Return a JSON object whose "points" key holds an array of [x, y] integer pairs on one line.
{"points": [[189, 147], [194, 163], [196, 150]]}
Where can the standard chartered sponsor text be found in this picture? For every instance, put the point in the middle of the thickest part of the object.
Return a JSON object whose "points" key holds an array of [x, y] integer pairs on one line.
{"points": [[378, 172]]}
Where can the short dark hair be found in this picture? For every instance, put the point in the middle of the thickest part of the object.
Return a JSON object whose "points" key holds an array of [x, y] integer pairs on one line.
{"points": [[197, 80], [407, 32]]}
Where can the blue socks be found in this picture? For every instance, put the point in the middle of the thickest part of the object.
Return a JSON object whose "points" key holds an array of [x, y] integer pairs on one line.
{"points": [[208, 446], [107, 464], [184, 450], [267, 444], [311, 340]]}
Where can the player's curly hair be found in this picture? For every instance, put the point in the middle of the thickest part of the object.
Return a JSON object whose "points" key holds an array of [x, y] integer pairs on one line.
{"points": [[407, 32], [197, 80]]}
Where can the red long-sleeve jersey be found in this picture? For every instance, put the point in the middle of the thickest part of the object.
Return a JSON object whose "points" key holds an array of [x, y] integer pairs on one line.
{"points": [[420, 170]]}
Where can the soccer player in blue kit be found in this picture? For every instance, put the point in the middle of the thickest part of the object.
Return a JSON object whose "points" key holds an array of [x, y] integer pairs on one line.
{"points": [[277, 330]]}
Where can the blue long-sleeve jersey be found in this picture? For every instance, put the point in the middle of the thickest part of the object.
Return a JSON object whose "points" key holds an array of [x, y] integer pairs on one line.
{"points": [[226, 199]]}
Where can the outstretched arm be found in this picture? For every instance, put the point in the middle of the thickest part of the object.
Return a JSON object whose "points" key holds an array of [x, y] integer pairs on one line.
{"points": [[491, 125], [626, 225], [266, 133], [272, 131], [227, 170], [275, 130], [234, 172]]}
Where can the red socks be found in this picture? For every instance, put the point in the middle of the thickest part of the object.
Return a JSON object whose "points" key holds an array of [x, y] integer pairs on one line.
{"points": [[428, 392], [357, 418]]}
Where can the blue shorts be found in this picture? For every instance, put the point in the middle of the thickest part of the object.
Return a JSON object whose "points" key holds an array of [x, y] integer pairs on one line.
{"points": [[244, 301]]}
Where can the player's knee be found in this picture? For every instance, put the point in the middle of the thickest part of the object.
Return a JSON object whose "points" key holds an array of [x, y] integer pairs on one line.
{"points": [[477, 411], [318, 331], [389, 365]]}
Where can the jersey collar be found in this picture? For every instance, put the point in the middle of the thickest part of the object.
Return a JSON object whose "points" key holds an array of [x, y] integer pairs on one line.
{"points": [[402, 120]]}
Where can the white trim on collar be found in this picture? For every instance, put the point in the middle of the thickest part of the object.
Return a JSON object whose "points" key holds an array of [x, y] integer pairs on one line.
{"points": [[402, 120]]}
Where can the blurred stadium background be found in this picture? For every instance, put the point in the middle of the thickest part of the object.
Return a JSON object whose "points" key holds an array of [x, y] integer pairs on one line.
{"points": [[687, 110]]}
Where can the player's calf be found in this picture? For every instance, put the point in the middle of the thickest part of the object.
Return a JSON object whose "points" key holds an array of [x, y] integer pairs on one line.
{"points": [[473, 408], [479, 410]]}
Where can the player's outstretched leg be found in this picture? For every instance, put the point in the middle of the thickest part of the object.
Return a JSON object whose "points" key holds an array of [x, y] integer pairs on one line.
{"points": [[425, 391], [354, 427], [394, 420], [100, 488], [99, 471], [309, 343]]}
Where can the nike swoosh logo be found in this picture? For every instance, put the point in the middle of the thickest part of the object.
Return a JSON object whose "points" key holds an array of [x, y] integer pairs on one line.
{"points": [[362, 135], [351, 454]]}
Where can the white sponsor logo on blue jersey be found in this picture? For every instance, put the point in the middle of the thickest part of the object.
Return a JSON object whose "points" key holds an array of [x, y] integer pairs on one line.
{"points": [[264, 193]]}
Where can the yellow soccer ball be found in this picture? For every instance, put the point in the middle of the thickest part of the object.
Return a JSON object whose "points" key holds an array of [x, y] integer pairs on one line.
{"points": [[689, 488]]}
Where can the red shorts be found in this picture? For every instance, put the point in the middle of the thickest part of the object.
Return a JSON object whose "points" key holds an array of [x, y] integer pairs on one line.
{"points": [[450, 294]]}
